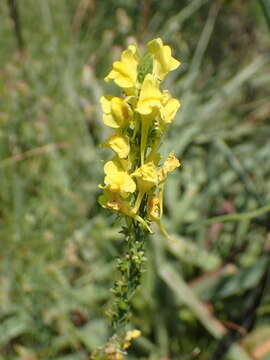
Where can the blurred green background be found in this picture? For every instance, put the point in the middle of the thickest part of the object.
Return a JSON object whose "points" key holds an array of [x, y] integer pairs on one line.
{"points": [[58, 247]]}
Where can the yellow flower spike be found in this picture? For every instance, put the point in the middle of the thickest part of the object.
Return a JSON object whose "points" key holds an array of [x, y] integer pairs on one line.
{"points": [[116, 112], [124, 72], [163, 60], [117, 180], [120, 145], [169, 107]]}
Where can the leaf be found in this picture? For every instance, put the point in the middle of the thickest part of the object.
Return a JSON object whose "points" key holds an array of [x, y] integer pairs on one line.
{"points": [[243, 280], [13, 327]]}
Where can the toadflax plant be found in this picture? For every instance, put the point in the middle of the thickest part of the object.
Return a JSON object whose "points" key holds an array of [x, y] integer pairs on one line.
{"points": [[135, 177]]}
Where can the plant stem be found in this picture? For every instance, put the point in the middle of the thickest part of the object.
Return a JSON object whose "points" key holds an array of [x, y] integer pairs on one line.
{"points": [[130, 267], [144, 134], [14, 14], [235, 217], [266, 11], [138, 201]]}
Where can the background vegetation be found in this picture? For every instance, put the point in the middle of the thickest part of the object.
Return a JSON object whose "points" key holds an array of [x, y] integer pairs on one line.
{"points": [[204, 296]]}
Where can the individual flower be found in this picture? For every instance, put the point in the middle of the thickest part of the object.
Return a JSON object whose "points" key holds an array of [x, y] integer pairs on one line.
{"points": [[124, 72], [113, 201], [116, 112], [117, 179], [169, 107], [170, 164], [146, 176], [163, 60], [153, 208], [130, 335], [120, 145], [150, 96]]}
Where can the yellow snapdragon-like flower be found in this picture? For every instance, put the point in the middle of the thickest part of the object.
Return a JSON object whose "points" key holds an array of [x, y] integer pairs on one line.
{"points": [[150, 96], [116, 112], [163, 60], [170, 164], [146, 176], [153, 208], [169, 107], [120, 145], [113, 201], [117, 180], [124, 72], [130, 335]]}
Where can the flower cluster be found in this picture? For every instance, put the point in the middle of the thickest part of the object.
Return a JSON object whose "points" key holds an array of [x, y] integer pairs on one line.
{"points": [[134, 178]]}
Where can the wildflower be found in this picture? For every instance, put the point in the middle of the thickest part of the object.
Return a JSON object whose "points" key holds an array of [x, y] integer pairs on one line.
{"points": [[134, 179], [130, 335], [170, 164], [117, 180], [139, 120], [169, 107], [147, 178], [124, 72], [114, 202], [116, 112], [163, 60], [120, 145], [150, 96], [153, 208]]}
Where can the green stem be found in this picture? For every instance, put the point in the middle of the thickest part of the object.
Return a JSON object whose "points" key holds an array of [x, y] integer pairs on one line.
{"points": [[161, 192], [143, 222], [266, 11], [130, 266], [235, 217], [144, 135], [164, 231], [138, 201]]}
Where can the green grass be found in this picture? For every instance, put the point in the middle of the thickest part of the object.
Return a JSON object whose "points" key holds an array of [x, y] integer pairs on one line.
{"points": [[58, 247]]}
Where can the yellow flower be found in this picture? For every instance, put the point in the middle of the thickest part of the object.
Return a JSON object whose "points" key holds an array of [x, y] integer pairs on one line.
{"points": [[119, 144], [169, 165], [153, 208], [163, 60], [169, 107], [147, 176], [150, 96], [113, 201], [124, 72], [117, 180], [130, 335], [116, 112]]}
